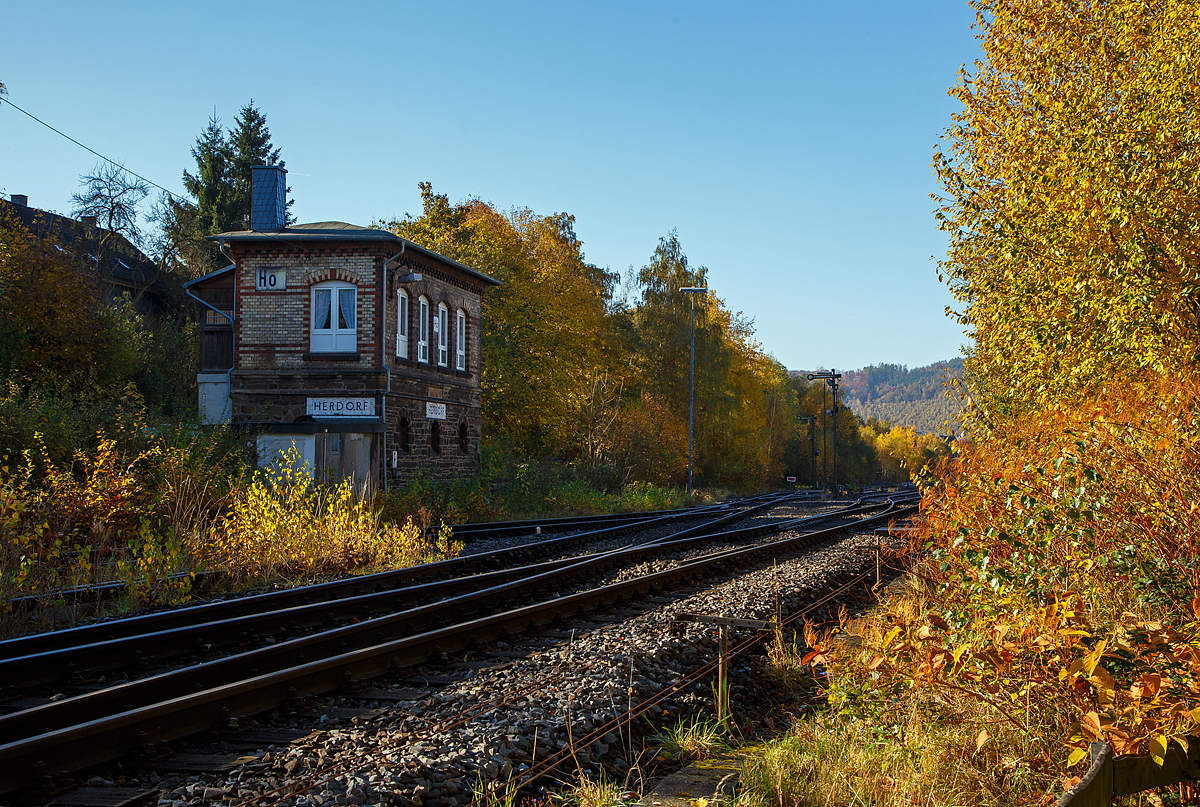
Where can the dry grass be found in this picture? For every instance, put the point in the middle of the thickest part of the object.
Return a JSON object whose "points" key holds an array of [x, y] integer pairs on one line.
{"points": [[152, 518], [785, 662], [887, 743], [847, 764], [904, 747]]}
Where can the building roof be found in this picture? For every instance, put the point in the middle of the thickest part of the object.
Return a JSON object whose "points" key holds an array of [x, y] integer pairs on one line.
{"points": [[121, 262], [213, 274], [342, 231]]}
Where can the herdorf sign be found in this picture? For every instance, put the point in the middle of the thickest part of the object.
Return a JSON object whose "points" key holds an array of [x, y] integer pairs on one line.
{"points": [[341, 407]]}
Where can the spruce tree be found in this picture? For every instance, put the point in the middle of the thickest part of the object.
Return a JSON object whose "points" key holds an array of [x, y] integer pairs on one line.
{"points": [[210, 186], [249, 144], [221, 190], [222, 184]]}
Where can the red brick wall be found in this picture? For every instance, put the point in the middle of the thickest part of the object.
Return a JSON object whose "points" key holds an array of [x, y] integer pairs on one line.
{"points": [[273, 326], [275, 370]]}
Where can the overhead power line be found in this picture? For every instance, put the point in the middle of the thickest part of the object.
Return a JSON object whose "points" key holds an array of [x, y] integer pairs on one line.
{"points": [[4, 100]]}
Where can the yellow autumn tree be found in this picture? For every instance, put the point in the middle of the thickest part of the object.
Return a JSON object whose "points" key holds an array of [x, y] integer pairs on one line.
{"points": [[744, 407], [569, 373], [1059, 602], [543, 328], [903, 453], [1070, 196]]}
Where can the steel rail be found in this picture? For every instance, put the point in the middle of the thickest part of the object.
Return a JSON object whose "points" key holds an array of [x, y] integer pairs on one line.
{"points": [[104, 739], [108, 590], [480, 529], [303, 595], [139, 648], [96, 592], [554, 760], [474, 529], [316, 777], [94, 705], [99, 592]]}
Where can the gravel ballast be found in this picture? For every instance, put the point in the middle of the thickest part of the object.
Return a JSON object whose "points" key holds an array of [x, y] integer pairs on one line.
{"points": [[510, 703]]}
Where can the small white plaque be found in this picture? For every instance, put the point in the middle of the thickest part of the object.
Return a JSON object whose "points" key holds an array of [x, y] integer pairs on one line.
{"points": [[341, 407], [270, 280], [435, 411]]}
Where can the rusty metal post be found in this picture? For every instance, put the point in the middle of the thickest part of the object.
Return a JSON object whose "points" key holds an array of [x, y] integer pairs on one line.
{"points": [[723, 678], [724, 622]]}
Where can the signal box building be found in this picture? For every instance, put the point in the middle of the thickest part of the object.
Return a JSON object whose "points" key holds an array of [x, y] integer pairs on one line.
{"points": [[355, 347]]}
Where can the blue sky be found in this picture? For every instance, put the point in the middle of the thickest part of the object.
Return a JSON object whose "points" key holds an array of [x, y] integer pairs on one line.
{"points": [[787, 143]]}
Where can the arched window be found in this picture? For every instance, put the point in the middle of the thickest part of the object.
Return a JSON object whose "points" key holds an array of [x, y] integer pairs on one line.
{"points": [[334, 318], [423, 330], [464, 437], [402, 324], [402, 436], [460, 340], [442, 326], [435, 436]]}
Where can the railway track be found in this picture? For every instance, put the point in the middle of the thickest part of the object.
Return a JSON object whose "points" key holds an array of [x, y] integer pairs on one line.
{"points": [[181, 673], [468, 533]]}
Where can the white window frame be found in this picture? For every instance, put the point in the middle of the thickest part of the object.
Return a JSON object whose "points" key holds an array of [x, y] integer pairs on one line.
{"points": [[460, 339], [401, 324], [423, 330], [334, 339], [443, 334]]}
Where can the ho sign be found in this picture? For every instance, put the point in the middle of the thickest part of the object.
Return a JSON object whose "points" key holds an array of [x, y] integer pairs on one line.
{"points": [[791, 479], [269, 279]]}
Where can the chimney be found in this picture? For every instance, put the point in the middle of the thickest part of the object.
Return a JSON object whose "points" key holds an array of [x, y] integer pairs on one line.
{"points": [[20, 199], [268, 202], [88, 221]]}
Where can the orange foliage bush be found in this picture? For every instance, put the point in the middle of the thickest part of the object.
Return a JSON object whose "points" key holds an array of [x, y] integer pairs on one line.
{"points": [[1062, 594]]}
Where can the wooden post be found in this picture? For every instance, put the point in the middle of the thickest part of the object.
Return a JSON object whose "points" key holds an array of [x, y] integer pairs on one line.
{"points": [[724, 623]]}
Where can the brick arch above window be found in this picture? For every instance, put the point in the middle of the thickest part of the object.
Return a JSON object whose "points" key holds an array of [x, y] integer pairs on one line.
{"points": [[312, 275]]}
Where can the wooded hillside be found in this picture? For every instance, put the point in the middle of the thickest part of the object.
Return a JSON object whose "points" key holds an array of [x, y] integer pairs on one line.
{"points": [[914, 399]]}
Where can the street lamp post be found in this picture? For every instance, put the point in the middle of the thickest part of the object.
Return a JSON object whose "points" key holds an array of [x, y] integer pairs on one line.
{"points": [[830, 378], [692, 291]]}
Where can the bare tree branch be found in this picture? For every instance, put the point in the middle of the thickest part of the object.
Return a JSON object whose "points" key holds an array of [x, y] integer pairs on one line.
{"points": [[112, 195]]}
